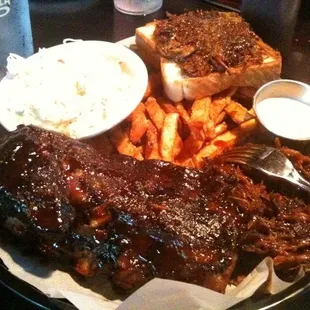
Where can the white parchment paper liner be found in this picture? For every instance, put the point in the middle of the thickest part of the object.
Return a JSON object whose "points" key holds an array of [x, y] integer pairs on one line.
{"points": [[96, 293]]}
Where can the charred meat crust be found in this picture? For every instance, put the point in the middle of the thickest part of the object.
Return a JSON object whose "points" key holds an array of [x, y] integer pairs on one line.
{"points": [[140, 219], [202, 42]]}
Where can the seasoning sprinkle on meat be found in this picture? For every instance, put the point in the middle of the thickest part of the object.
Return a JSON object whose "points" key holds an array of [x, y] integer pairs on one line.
{"points": [[202, 42]]}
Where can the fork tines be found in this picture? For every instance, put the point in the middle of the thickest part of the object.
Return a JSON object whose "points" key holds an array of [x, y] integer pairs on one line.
{"points": [[243, 154]]}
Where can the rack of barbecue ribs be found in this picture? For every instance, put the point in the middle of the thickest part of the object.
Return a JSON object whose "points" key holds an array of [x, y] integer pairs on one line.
{"points": [[138, 220]]}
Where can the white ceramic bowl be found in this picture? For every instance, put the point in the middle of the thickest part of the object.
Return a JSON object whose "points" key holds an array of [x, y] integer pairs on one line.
{"points": [[99, 83]]}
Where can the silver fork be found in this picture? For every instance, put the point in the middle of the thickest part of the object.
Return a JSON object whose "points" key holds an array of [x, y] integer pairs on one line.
{"points": [[266, 159]]}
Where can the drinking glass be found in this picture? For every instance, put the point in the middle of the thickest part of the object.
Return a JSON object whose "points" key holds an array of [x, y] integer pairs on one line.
{"points": [[138, 7]]}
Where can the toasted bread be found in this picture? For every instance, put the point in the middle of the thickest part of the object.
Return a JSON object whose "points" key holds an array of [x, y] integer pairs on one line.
{"points": [[147, 46], [178, 86]]}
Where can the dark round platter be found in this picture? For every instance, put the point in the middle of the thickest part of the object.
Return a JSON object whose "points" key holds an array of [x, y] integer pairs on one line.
{"points": [[28, 297], [297, 296]]}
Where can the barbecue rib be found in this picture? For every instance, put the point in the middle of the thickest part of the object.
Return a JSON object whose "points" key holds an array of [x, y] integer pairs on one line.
{"points": [[138, 219]]}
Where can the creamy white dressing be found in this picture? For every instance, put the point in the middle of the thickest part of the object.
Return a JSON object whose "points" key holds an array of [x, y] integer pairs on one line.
{"points": [[66, 93], [285, 117]]}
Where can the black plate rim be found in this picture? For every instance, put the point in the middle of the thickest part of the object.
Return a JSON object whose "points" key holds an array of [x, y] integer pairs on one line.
{"points": [[42, 301], [24, 290], [21, 287]]}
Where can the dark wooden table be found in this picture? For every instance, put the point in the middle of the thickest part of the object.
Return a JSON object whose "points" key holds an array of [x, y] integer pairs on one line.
{"points": [[98, 20]]}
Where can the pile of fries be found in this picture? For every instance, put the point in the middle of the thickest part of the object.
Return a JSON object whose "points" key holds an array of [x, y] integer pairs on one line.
{"points": [[184, 133]]}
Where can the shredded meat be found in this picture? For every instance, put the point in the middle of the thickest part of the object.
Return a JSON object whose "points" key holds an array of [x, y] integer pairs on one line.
{"points": [[202, 42], [301, 162], [284, 234]]}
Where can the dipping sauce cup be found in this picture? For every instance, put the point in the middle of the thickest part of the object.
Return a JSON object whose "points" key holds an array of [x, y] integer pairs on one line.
{"points": [[283, 108]]}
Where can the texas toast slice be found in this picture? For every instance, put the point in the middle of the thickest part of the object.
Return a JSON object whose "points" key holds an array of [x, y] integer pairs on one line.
{"points": [[234, 55]]}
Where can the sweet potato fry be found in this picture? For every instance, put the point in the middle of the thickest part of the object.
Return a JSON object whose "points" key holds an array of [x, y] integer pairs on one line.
{"points": [[166, 104], [182, 111], [140, 150], [187, 162], [198, 162], [201, 116], [193, 142], [218, 105], [220, 129], [122, 143], [226, 140], [168, 108], [247, 127], [200, 112], [178, 145], [151, 149], [138, 124], [220, 118], [216, 146], [184, 120], [169, 136], [237, 112], [154, 85], [156, 113], [185, 132], [208, 129], [252, 112]]}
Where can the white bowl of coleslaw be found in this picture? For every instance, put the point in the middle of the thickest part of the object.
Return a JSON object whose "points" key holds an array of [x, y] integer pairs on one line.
{"points": [[80, 89]]}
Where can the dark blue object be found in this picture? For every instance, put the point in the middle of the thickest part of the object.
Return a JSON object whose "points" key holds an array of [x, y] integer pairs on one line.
{"points": [[15, 30], [273, 20]]}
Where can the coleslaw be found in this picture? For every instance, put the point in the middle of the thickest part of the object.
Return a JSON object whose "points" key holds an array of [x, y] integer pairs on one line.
{"points": [[65, 92]]}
